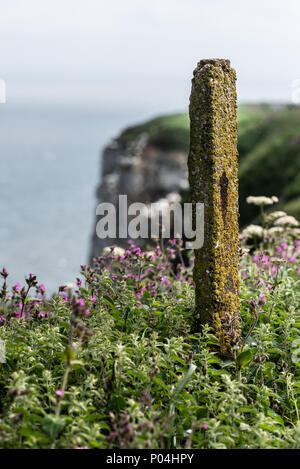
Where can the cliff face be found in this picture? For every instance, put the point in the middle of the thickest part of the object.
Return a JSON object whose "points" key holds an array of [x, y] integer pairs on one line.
{"points": [[148, 162], [142, 171]]}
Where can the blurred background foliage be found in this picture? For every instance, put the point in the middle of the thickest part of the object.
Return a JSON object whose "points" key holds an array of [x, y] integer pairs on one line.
{"points": [[269, 151]]}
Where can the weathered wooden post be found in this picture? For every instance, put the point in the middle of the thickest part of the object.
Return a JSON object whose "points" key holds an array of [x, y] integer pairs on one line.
{"points": [[213, 177]]}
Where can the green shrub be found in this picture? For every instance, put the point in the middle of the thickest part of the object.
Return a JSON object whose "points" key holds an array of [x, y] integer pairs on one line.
{"points": [[113, 362]]}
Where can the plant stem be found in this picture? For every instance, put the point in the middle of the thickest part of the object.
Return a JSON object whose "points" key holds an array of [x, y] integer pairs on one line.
{"points": [[63, 387]]}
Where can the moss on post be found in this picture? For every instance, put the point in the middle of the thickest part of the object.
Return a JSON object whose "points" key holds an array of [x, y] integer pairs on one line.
{"points": [[213, 177]]}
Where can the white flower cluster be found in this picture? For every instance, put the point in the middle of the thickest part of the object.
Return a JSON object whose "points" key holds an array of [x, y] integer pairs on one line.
{"points": [[271, 217], [253, 230], [117, 251], [275, 230], [261, 200], [286, 221]]}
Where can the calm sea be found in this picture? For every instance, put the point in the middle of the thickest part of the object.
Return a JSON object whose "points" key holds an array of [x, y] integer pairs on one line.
{"points": [[50, 167]]}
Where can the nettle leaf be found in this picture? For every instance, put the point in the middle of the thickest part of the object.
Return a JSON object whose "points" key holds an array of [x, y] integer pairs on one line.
{"points": [[244, 358], [276, 417], [214, 360], [77, 365], [263, 318], [247, 409], [117, 403], [108, 300], [53, 426], [212, 340], [30, 433], [160, 383], [227, 363], [29, 300], [202, 411], [158, 313]]}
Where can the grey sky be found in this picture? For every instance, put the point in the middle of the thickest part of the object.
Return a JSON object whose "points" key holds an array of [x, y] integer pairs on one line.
{"points": [[142, 52]]}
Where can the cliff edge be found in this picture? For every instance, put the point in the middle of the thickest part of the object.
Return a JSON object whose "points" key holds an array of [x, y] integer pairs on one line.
{"points": [[148, 162]]}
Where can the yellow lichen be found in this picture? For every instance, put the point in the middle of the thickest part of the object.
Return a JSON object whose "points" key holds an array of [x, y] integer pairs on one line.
{"points": [[213, 167]]}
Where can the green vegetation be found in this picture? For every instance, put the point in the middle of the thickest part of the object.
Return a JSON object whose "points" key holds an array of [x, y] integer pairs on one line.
{"points": [[270, 157], [269, 149], [169, 132], [114, 362]]}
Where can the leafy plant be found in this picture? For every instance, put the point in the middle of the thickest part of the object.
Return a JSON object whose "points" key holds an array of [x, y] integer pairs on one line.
{"points": [[112, 362]]}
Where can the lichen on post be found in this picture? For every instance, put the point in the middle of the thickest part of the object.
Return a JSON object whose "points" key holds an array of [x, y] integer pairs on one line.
{"points": [[213, 178]]}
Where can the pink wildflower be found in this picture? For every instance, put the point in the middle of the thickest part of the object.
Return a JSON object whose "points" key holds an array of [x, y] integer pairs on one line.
{"points": [[78, 282], [262, 299], [17, 286], [165, 280]]}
